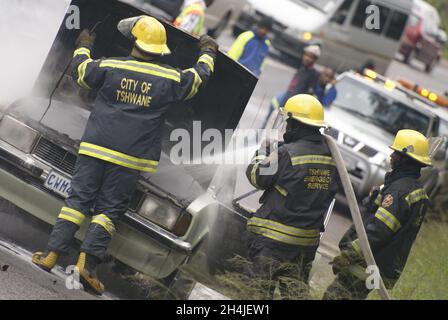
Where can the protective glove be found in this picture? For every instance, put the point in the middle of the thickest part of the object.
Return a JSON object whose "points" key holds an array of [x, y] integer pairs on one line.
{"points": [[342, 262], [207, 42], [85, 39]]}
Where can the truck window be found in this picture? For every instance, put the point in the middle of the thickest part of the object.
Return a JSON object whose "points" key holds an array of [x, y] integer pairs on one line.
{"points": [[396, 26], [360, 18], [341, 14]]}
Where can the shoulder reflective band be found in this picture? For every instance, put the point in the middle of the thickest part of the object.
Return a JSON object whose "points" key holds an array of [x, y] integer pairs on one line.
{"points": [[416, 196], [118, 158], [105, 222], [208, 60], [388, 219], [71, 215], [196, 84], [81, 51], [312, 159], [142, 67], [283, 233], [282, 191]]}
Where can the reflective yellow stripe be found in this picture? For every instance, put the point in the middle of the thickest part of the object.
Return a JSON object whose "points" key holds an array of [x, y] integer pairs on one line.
{"points": [[259, 158], [275, 103], [82, 72], [356, 246], [208, 60], [282, 191], [253, 176], [378, 199], [277, 226], [388, 219], [416, 196], [105, 222], [81, 51], [312, 159], [196, 84], [283, 233], [142, 67], [118, 158], [71, 215]]}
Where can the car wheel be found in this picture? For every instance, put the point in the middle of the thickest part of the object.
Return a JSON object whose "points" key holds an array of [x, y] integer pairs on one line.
{"points": [[221, 26]]}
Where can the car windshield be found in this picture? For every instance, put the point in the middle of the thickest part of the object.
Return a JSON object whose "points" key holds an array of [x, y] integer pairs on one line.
{"points": [[378, 108], [322, 5]]}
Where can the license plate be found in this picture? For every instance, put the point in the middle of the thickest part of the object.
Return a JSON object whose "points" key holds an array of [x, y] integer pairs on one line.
{"points": [[58, 183]]}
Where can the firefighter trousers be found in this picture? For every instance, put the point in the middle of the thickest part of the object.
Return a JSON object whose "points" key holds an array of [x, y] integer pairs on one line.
{"points": [[101, 190], [275, 263]]}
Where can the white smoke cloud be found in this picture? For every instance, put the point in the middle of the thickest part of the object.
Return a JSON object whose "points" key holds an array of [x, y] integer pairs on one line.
{"points": [[27, 30]]}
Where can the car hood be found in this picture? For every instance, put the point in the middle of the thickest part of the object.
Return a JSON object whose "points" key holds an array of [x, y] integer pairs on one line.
{"points": [[369, 134], [293, 15], [64, 119]]}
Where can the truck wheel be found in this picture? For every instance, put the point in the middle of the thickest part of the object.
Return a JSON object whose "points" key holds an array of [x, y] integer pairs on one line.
{"points": [[226, 240], [221, 26]]}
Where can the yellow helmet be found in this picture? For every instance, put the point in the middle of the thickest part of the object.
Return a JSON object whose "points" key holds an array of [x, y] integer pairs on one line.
{"points": [[306, 109], [149, 34], [413, 144]]}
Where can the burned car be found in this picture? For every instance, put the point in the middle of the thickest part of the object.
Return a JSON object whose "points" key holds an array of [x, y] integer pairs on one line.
{"points": [[40, 135]]}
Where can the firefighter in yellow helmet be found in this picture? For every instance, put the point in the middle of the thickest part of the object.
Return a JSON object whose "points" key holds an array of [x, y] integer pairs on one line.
{"points": [[395, 213], [300, 180], [192, 16], [122, 137]]}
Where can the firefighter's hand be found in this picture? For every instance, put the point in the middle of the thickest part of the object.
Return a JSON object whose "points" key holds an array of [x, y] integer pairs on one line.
{"points": [[343, 262], [267, 146], [207, 42], [85, 39]]}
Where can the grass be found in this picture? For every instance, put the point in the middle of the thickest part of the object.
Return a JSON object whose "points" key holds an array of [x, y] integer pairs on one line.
{"points": [[426, 274]]}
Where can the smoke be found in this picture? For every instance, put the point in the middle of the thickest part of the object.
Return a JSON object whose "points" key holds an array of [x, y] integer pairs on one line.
{"points": [[27, 30]]}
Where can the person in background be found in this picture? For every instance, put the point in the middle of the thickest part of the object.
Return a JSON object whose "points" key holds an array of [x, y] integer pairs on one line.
{"points": [[325, 90], [368, 65], [304, 80], [192, 16], [252, 47]]}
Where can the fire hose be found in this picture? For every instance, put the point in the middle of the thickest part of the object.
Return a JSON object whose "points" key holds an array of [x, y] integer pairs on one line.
{"points": [[354, 210]]}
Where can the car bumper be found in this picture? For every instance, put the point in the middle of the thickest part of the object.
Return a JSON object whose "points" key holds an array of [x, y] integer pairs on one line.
{"points": [[138, 243]]}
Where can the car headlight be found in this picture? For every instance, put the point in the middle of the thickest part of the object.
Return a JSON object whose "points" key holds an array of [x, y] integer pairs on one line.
{"points": [[17, 134], [306, 36], [165, 215]]}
